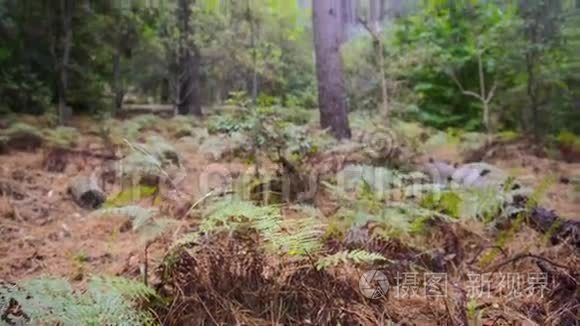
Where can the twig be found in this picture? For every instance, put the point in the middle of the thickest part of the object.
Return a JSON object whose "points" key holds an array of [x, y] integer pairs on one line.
{"points": [[463, 90], [472, 261], [381, 57], [499, 265], [368, 28], [491, 92], [146, 263], [199, 201], [206, 309]]}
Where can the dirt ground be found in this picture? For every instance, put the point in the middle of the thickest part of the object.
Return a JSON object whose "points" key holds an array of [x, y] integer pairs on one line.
{"points": [[45, 233]]}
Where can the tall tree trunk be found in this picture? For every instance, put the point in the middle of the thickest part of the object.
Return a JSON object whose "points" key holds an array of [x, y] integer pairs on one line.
{"points": [[118, 88], [165, 86], [344, 20], [373, 12], [382, 10], [66, 9], [189, 101], [331, 90], [374, 30], [253, 36], [533, 96]]}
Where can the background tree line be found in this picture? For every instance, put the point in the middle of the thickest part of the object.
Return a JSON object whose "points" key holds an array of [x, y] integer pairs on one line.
{"points": [[476, 65]]}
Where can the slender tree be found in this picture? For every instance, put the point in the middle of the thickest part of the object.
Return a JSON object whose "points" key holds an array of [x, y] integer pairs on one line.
{"points": [[327, 19], [61, 52], [252, 21], [189, 101]]}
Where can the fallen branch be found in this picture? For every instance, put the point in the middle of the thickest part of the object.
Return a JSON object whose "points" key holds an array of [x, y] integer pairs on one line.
{"points": [[496, 267], [483, 249], [86, 192], [555, 228]]}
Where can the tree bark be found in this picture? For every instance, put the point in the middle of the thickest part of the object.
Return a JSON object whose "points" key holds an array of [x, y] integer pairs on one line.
{"points": [[66, 44], [189, 101], [86, 192], [379, 48], [253, 45], [165, 86], [118, 90], [331, 90], [532, 95]]}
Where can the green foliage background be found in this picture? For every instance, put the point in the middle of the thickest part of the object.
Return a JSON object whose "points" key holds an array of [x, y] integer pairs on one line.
{"points": [[426, 45]]}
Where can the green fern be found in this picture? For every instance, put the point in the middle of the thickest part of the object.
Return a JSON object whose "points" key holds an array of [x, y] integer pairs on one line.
{"points": [[394, 218], [486, 204], [63, 137], [131, 290], [292, 236], [126, 196], [296, 237], [185, 241], [230, 213], [216, 147], [149, 159], [3, 142], [143, 220], [22, 128], [162, 150], [132, 129], [107, 301], [360, 257]]}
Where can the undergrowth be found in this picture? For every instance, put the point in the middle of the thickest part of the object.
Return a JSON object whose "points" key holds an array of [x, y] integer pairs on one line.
{"points": [[51, 301]]}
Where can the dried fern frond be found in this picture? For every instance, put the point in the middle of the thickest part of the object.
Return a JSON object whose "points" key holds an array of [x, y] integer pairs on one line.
{"points": [[344, 257]]}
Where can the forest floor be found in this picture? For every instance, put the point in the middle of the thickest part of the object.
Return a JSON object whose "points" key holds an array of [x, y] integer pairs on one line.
{"points": [[44, 232]]}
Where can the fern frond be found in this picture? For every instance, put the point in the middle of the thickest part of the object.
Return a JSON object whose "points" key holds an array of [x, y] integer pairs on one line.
{"points": [[108, 301], [296, 237], [143, 219], [228, 214], [292, 236], [186, 240], [62, 137], [139, 215], [344, 257], [149, 159], [130, 289]]}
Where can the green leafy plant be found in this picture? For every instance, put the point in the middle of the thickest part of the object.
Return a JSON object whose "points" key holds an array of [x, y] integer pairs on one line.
{"points": [[65, 137], [295, 237], [144, 221], [568, 140], [390, 209], [126, 196], [148, 160], [107, 301]]}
